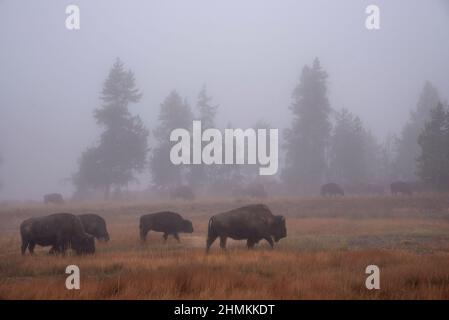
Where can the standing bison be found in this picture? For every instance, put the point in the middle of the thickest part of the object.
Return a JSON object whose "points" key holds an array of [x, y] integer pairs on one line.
{"points": [[60, 230], [166, 222], [400, 187], [332, 189], [252, 223], [94, 225], [55, 198], [182, 192]]}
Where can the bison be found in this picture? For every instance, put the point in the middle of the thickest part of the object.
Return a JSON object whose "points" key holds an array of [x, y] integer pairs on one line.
{"points": [[332, 189], [166, 222], [55, 198], [182, 192], [252, 223], [94, 225], [400, 187], [59, 230]]}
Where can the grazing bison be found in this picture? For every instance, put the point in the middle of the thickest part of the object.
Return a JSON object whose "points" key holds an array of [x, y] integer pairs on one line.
{"points": [[60, 230], [252, 223], [331, 189], [182, 192], [94, 225], [400, 187], [166, 222], [55, 198]]}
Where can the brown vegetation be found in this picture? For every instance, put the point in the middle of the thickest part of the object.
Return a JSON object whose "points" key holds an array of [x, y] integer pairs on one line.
{"points": [[330, 242]]}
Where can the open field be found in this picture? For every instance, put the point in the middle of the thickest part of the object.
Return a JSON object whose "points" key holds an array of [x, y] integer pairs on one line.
{"points": [[329, 244]]}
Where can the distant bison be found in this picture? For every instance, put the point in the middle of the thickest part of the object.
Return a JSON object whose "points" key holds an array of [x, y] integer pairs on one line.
{"points": [[182, 192], [94, 225], [166, 222], [400, 187], [332, 189], [55, 198], [252, 223], [60, 230]]}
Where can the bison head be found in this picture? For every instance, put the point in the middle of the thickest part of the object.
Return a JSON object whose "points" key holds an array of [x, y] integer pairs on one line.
{"points": [[187, 226], [85, 245], [102, 234], [278, 229]]}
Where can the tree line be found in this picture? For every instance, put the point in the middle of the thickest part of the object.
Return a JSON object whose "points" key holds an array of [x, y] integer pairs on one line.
{"points": [[321, 144]]}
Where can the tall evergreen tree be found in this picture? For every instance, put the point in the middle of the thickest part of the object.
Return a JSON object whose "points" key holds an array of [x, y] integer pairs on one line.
{"points": [[174, 113], [207, 111], [433, 163], [200, 175], [408, 148], [307, 138], [122, 149], [347, 154]]}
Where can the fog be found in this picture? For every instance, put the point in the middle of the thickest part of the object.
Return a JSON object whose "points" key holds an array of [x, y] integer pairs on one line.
{"points": [[249, 54]]}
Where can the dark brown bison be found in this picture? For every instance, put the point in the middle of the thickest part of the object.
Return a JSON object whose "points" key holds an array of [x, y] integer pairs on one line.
{"points": [[182, 192], [166, 222], [59, 230], [252, 223], [332, 189], [400, 187], [94, 225], [55, 198]]}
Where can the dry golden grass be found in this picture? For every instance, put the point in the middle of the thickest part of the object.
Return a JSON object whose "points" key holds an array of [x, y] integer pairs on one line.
{"points": [[329, 245]]}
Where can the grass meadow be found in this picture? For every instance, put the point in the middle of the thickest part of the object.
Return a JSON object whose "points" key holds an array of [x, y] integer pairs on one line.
{"points": [[330, 242]]}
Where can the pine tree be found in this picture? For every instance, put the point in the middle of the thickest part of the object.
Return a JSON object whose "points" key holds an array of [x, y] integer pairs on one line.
{"points": [[308, 136], [433, 163], [174, 113], [207, 111], [122, 149], [408, 148], [201, 175], [347, 150]]}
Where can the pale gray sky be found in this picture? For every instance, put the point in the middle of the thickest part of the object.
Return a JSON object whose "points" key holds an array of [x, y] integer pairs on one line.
{"points": [[249, 53]]}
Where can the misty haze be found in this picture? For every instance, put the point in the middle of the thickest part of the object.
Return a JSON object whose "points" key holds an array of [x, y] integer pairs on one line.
{"points": [[249, 55], [142, 135]]}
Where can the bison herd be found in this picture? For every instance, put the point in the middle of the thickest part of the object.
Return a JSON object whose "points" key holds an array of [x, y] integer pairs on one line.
{"points": [[252, 223], [396, 188], [62, 231]]}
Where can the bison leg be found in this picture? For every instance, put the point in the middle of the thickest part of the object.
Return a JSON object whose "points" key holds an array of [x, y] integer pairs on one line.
{"points": [[176, 237], [223, 242], [24, 247], [31, 246], [165, 236], [143, 234], [210, 240], [250, 243], [53, 250], [270, 241]]}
